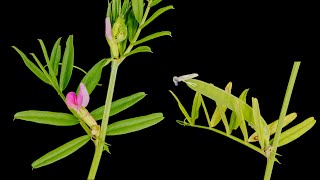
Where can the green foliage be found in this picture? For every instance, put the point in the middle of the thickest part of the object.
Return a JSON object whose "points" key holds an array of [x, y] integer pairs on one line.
{"points": [[61, 152], [92, 78], [156, 14], [137, 7], [47, 117], [67, 64], [32, 67], [134, 124], [127, 19], [119, 105], [241, 113], [55, 56]]}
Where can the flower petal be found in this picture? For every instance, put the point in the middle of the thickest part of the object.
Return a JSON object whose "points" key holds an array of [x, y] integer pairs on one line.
{"points": [[108, 32], [71, 100], [83, 96]]}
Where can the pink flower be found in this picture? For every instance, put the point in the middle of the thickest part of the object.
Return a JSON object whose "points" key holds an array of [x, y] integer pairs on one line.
{"points": [[74, 101], [108, 32]]}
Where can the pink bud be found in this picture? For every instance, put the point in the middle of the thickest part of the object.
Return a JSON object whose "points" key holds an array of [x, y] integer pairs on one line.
{"points": [[108, 32], [83, 95]]}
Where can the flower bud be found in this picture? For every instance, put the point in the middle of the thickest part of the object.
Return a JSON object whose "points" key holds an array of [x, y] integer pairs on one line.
{"points": [[119, 30], [86, 117]]}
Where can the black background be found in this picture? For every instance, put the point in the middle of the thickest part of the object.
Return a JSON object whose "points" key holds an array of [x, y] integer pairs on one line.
{"points": [[251, 45]]}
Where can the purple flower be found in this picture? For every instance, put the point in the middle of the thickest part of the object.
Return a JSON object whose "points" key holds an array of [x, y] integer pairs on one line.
{"points": [[108, 32], [74, 101]]}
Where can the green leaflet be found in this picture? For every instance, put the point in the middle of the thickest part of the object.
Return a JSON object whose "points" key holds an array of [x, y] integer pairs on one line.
{"points": [[67, 64], [155, 2], [32, 66], [46, 57], [116, 8], [44, 50], [55, 56], [224, 118], [241, 121], [196, 107], [137, 7], [156, 14], [234, 121], [216, 117], [47, 117], [119, 105], [152, 36], [221, 97], [125, 7], [296, 131], [181, 107], [273, 126], [122, 46], [205, 111], [92, 78], [132, 25], [138, 50], [109, 12], [52, 80], [61, 152], [134, 124], [261, 126]]}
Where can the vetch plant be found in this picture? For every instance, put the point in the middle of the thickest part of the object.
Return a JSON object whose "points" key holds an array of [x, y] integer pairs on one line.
{"points": [[242, 115], [123, 24]]}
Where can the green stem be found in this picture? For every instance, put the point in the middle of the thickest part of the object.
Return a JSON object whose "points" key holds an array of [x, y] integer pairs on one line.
{"points": [[60, 93], [253, 147], [106, 113], [105, 119], [285, 104]]}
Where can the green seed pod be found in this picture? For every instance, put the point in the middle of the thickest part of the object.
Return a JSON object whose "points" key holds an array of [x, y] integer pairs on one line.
{"points": [[119, 30]]}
